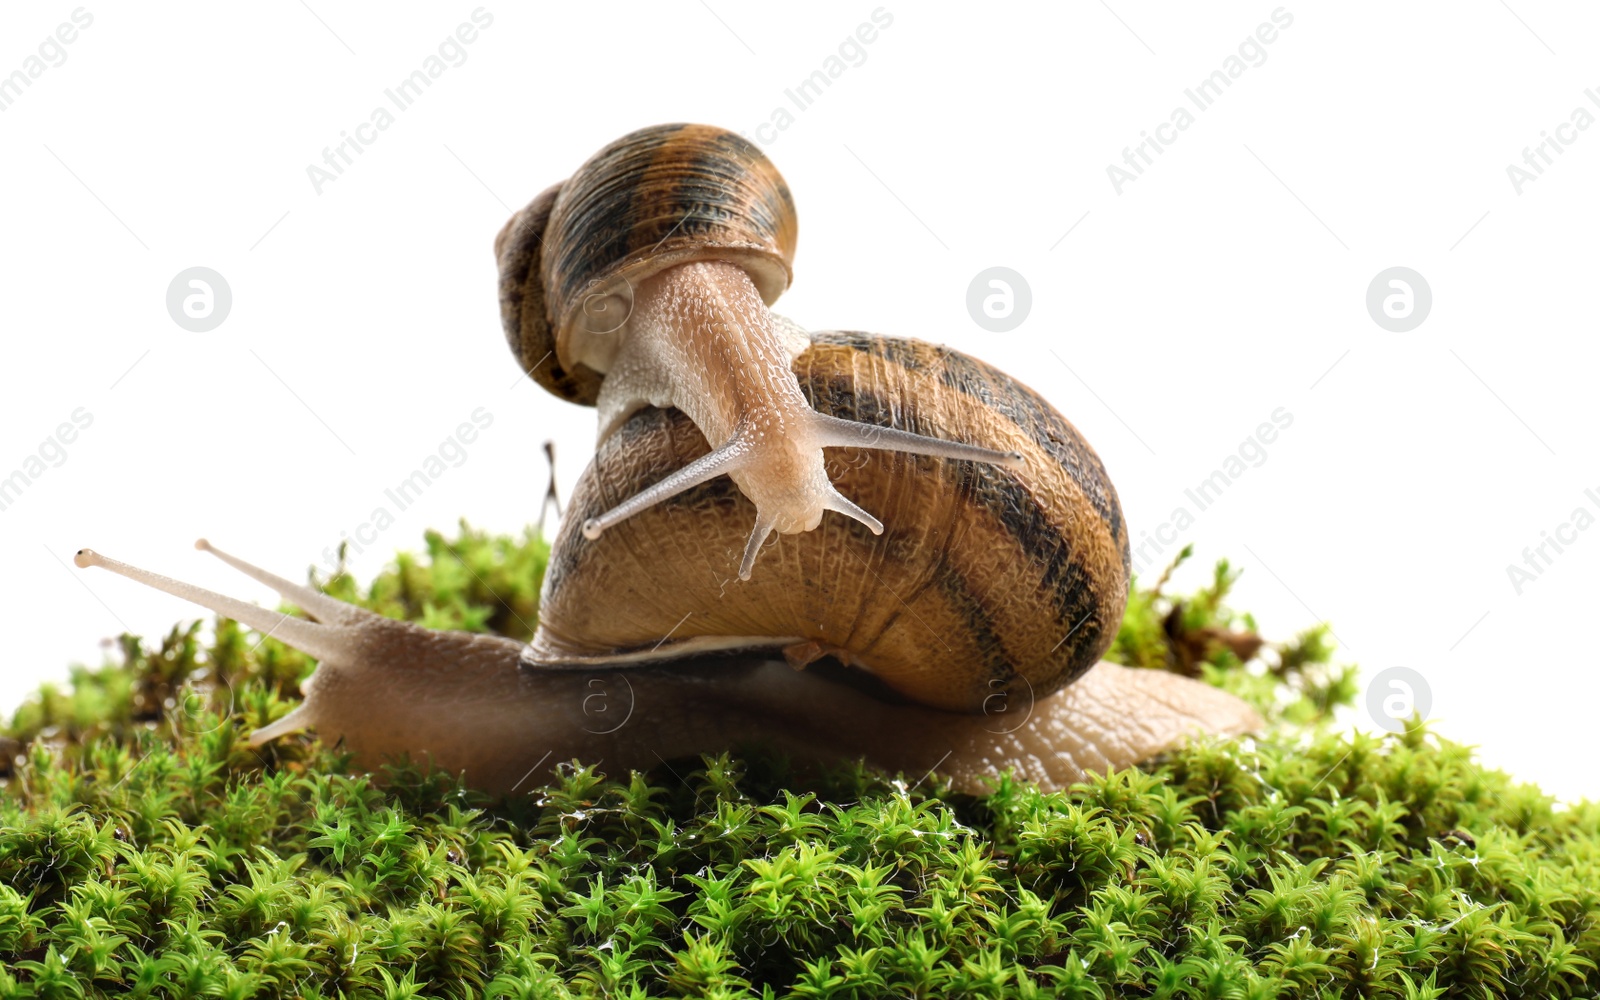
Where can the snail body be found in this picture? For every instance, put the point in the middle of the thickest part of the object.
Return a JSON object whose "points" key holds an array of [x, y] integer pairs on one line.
{"points": [[644, 280], [386, 689]]}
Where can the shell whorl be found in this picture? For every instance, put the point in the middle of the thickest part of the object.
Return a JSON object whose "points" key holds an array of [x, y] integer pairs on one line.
{"points": [[661, 196], [986, 581], [523, 312]]}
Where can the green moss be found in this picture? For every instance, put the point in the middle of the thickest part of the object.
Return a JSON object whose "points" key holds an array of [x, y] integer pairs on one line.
{"points": [[146, 850]]}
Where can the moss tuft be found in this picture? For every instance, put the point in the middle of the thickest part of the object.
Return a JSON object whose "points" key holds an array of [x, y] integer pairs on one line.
{"points": [[145, 850]]}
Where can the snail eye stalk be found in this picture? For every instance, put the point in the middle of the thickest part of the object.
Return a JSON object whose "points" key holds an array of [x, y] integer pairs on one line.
{"points": [[330, 637], [322, 640], [728, 458]]}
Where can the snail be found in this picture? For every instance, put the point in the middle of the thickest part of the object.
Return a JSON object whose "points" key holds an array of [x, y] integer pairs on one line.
{"points": [[385, 689], [960, 635], [644, 280]]}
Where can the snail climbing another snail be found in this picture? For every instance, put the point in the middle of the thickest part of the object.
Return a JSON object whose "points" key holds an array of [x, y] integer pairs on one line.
{"points": [[647, 276], [960, 634]]}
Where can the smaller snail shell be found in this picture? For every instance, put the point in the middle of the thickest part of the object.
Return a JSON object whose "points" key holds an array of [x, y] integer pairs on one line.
{"points": [[655, 198]]}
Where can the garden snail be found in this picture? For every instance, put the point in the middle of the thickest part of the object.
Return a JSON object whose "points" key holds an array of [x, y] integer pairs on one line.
{"points": [[386, 688], [644, 279], [975, 613]]}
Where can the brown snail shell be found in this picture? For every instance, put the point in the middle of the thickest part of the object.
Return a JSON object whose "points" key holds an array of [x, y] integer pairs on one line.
{"points": [[988, 581], [655, 198]]}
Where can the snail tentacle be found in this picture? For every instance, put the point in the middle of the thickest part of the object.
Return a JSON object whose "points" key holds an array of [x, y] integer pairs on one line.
{"points": [[725, 459], [322, 641], [837, 432], [758, 537], [318, 605], [843, 505]]}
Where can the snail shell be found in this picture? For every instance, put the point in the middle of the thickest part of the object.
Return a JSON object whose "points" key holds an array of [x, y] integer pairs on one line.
{"points": [[989, 581], [655, 198]]}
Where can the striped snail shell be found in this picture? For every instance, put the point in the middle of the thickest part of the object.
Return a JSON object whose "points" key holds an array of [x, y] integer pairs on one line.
{"points": [[644, 280], [661, 196], [989, 582]]}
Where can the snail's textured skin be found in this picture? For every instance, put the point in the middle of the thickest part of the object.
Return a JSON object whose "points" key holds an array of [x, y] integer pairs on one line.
{"points": [[505, 729], [386, 689], [655, 198], [987, 580]]}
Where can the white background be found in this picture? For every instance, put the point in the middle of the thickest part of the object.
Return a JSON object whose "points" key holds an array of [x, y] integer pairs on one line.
{"points": [[1227, 281]]}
